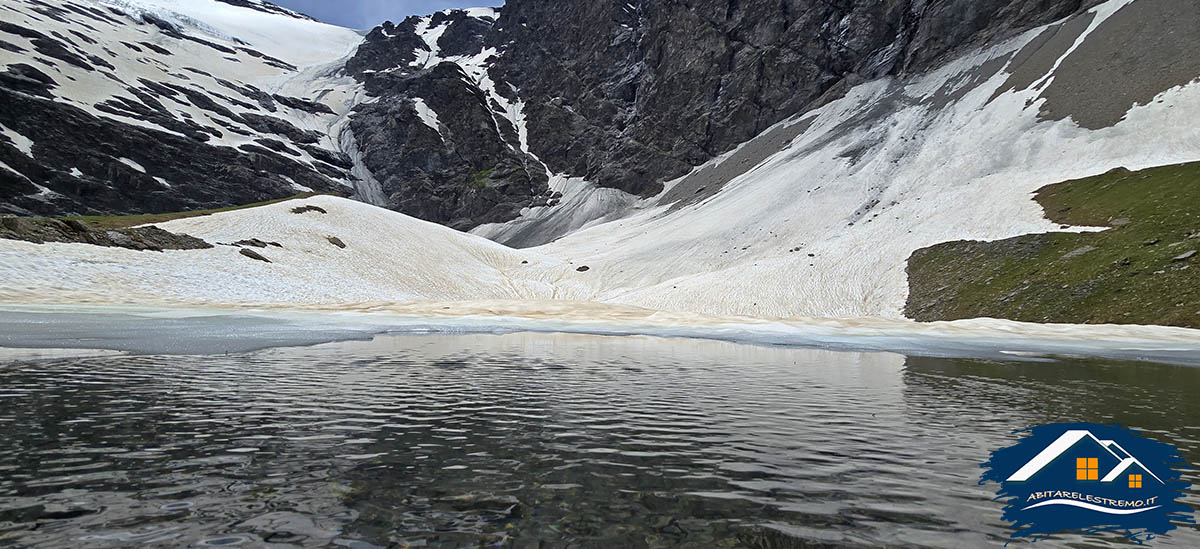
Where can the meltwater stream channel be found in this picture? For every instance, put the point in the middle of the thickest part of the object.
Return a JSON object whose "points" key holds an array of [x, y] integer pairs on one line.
{"points": [[540, 440]]}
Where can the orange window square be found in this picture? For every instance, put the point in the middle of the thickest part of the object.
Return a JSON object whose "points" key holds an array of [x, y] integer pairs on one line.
{"points": [[1082, 474], [1081, 463], [1093, 463]]}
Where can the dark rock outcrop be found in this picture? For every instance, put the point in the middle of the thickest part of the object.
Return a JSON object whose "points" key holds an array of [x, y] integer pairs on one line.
{"points": [[82, 173], [625, 93], [467, 171], [308, 208], [632, 94], [41, 231], [57, 159], [253, 255]]}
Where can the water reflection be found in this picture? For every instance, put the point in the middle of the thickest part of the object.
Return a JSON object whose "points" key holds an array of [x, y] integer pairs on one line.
{"points": [[571, 440]]}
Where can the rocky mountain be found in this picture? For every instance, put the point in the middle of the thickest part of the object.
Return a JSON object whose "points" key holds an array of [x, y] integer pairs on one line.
{"points": [[460, 117], [627, 95], [815, 159], [130, 106]]}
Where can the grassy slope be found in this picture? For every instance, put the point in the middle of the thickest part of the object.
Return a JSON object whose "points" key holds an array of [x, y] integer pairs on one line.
{"points": [[1125, 275], [124, 221]]}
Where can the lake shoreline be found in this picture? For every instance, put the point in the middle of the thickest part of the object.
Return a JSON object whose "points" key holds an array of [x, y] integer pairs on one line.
{"points": [[192, 331]]}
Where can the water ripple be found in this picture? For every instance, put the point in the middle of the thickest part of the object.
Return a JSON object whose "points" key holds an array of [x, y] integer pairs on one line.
{"points": [[576, 441]]}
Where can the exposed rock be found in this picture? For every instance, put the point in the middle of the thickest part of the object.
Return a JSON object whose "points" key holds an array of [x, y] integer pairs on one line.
{"points": [[1078, 252], [338, 159], [469, 172], [311, 107], [266, 7], [25, 78], [631, 93], [1122, 64], [279, 126], [308, 208], [1185, 256], [584, 269], [77, 225], [253, 255], [336, 241], [277, 146], [85, 178], [254, 242], [42, 230]]}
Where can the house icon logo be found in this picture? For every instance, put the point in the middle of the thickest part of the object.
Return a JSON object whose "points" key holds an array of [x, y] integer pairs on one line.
{"points": [[1089, 477]]}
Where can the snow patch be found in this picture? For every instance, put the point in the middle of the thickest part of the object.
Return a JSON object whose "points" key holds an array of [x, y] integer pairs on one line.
{"points": [[430, 35], [8, 168], [43, 193], [132, 164], [296, 186], [23, 144], [483, 13], [427, 116], [298, 41]]}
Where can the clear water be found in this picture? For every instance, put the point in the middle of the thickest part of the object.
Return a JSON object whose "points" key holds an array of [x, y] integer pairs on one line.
{"points": [[543, 441]]}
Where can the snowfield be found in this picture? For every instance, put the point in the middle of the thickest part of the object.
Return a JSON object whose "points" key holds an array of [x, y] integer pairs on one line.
{"points": [[819, 229]]}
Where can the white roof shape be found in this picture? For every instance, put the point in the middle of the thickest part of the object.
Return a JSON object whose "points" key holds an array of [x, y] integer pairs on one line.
{"points": [[1064, 443], [1126, 464], [1116, 448]]}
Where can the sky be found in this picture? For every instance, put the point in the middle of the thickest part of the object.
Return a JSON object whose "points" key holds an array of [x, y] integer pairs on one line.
{"points": [[366, 14]]}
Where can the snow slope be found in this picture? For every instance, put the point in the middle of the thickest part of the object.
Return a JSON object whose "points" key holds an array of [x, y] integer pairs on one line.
{"points": [[295, 39], [880, 173], [216, 50], [821, 228], [388, 257]]}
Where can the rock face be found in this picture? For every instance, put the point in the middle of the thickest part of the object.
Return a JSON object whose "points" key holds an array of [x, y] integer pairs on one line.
{"points": [[441, 147], [76, 162], [470, 111], [138, 109], [629, 94], [41, 231]]}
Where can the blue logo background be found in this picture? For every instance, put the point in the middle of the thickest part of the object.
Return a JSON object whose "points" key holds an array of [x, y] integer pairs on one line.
{"points": [[1089, 477]]}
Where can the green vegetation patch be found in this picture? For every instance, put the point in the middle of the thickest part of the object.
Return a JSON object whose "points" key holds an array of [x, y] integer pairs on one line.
{"points": [[1145, 269], [124, 221], [480, 177]]}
